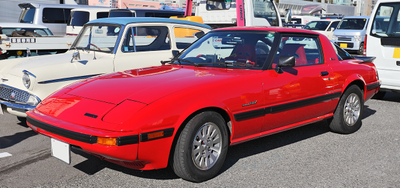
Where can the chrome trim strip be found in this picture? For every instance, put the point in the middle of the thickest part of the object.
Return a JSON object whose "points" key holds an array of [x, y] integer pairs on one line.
{"points": [[17, 106], [27, 72], [68, 79]]}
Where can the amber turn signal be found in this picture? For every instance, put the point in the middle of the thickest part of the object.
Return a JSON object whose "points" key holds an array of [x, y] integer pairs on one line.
{"points": [[107, 141], [155, 135]]}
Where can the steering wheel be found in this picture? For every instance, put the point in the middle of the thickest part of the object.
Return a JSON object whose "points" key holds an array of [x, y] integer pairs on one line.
{"points": [[90, 44]]}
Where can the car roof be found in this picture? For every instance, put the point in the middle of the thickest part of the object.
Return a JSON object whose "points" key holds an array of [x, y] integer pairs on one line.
{"points": [[268, 28], [326, 20], [361, 17], [21, 25], [129, 20], [93, 9]]}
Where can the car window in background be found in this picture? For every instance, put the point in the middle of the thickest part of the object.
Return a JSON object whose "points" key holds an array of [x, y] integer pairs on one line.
{"points": [[56, 15], [41, 32], [121, 13], [98, 38], [316, 25], [387, 21], [334, 25], [79, 18], [102, 15], [27, 15], [352, 23], [148, 38]]}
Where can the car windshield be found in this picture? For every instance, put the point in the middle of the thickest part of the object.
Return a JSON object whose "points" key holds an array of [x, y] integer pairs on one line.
{"points": [[352, 23], [233, 49], [98, 38], [317, 25], [26, 32]]}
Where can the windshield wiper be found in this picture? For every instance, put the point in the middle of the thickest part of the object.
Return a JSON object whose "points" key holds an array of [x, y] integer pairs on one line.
{"points": [[227, 63], [184, 60]]}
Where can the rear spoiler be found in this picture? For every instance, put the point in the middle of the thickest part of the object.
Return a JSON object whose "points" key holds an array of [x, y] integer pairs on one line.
{"points": [[365, 59]]}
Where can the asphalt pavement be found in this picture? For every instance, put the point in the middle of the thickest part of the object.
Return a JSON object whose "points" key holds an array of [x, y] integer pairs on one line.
{"points": [[309, 156]]}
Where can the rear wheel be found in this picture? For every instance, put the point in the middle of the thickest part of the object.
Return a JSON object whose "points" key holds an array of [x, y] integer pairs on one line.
{"points": [[349, 111], [201, 147]]}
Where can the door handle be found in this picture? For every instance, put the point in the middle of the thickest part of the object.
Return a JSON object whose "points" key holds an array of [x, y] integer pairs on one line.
{"points": [[324, 73]]}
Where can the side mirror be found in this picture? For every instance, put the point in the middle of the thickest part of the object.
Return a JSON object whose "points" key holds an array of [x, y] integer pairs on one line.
{"points": [[76, 56], [288, 15], [285, 61], [175, 53], [332, 29]]}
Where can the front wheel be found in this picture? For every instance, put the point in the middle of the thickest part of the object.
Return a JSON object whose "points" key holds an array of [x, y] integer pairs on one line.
{"points": [[349, 111], [201, 147]]}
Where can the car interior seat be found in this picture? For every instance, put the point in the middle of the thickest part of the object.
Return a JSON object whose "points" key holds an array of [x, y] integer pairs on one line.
{"points": [[296, 50]]}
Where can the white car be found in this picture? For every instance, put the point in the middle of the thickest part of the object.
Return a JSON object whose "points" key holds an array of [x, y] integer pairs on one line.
{"points": [[103, 46], [323, 26]]}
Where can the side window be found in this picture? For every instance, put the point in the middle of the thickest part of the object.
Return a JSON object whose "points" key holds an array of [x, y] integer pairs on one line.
{"points": [[102, 15], [55, 15], [148, 38], [333, 25], [341, 54], [218, 4], [306, 50], [184, 36]]}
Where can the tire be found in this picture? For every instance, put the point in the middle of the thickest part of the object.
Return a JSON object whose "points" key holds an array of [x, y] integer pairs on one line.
{"points": [[349, 112], [379, 95], [361, 49], [191, 150]]}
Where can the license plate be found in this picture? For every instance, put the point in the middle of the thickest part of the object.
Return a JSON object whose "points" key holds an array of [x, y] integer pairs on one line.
{"points": [[396, 53], [60, 150], [343, 45]]}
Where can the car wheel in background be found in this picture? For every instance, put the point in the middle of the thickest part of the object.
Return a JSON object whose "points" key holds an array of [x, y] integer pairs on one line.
{"points": [[361, 49], [201, 147], [349, 111]]}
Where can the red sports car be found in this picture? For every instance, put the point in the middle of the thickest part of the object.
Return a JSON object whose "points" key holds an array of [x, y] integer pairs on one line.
{"points": [[230, 86]]}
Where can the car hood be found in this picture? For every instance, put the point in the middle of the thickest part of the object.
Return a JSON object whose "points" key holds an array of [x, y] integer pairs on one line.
{"points": [[40, 65], [147, 85]]}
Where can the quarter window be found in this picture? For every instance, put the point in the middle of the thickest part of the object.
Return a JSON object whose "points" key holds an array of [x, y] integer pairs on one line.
{"points": [[306, 50]]}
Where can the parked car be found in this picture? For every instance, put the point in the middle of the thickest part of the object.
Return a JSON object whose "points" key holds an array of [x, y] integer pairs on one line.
{"points": [[81, 16], [105, 45], [230, 86], [350, 33], [324, 26], [23, 39], [383, 41]]}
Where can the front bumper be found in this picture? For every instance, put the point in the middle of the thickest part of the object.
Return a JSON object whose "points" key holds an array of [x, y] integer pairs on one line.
{"points": [[348, 43], [126, 153], [14, 101]]}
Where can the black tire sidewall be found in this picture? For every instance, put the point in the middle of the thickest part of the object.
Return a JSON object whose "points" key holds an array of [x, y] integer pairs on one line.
{"points": [[338, 124], [191, 128]]}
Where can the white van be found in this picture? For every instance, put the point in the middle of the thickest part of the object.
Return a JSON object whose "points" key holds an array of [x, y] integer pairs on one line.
{"points": [[53, 16], [382, 40], [80, 16]]}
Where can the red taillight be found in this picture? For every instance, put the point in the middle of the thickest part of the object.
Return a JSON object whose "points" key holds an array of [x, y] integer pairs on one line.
{"points": [[365, 46]]}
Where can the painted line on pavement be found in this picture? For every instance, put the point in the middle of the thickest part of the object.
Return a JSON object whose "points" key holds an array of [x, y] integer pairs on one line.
{"points": [[5, 154]]}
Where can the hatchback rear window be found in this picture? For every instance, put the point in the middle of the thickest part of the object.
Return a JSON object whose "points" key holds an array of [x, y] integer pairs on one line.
{"points": [[27, 15]]}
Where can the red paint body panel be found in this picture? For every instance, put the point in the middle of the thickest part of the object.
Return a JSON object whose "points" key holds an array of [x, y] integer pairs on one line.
{"points": [[136, 102]]}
